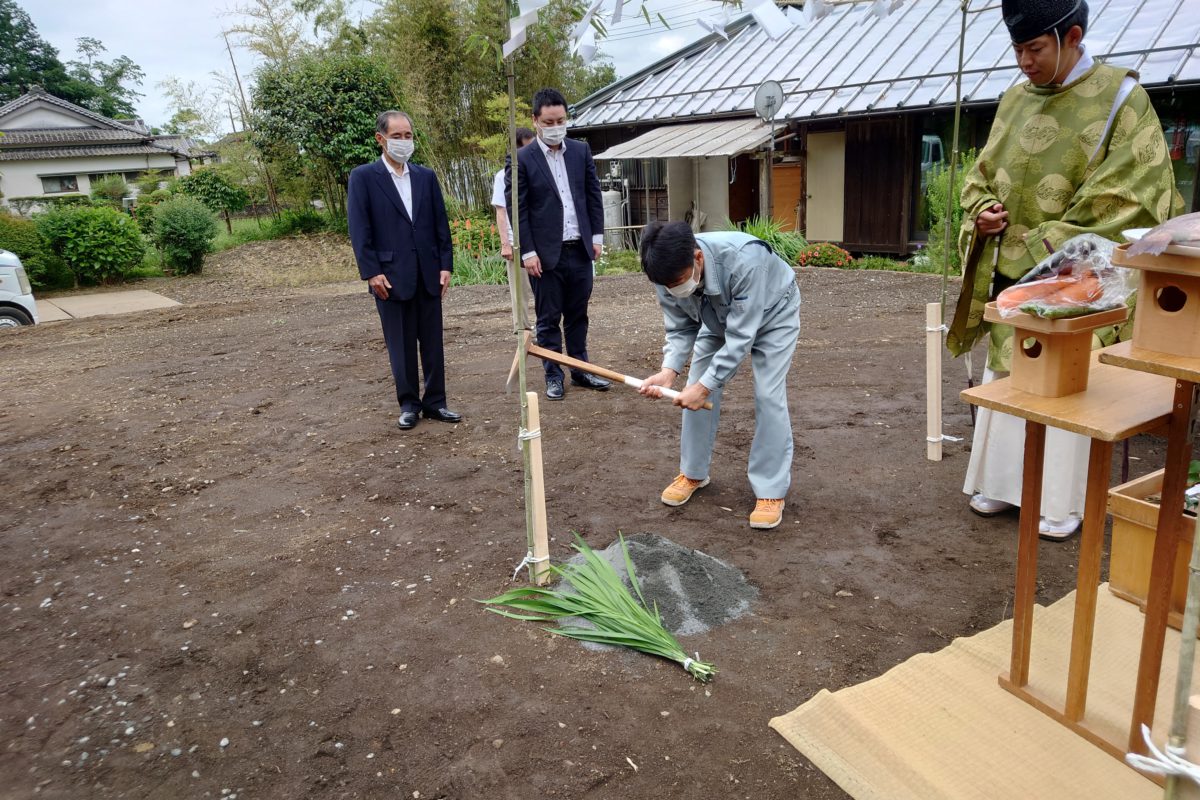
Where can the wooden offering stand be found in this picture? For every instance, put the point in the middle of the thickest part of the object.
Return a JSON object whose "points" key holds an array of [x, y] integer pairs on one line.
{"points": [[1117, 404], [1166, 342], [1052, 357]]}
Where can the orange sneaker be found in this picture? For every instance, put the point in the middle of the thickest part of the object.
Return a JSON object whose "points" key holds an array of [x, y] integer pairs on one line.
{"points": [[767, 514], [681, 490]]}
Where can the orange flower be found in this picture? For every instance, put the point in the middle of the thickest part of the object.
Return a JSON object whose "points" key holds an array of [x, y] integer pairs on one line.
{"points": [[468, 223]]}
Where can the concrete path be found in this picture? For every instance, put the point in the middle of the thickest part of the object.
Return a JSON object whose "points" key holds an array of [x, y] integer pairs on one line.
{"points": [[91, 305]]}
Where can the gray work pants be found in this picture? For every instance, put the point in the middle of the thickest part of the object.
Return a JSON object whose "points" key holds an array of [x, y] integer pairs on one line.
{"points": [[770, 467]]}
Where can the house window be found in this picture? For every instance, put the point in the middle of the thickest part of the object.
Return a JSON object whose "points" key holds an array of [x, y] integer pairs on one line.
{"points": [[56, 184]]}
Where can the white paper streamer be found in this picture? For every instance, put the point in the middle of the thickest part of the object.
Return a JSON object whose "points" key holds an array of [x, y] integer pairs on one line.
{"points": [[616, 12], [513, 44], [586, 46], [773, 21], [585, 24], [815, 10], [531, 5]]}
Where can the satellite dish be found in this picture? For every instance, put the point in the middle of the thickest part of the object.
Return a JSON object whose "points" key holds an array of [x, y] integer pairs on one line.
{"points": [[768, 100]]}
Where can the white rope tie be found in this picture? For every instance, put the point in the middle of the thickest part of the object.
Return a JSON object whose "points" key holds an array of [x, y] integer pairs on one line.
{"points": [[528, 561], [1168, 764], [687, 662], [939, 328], [527, 436], [945, 437]]}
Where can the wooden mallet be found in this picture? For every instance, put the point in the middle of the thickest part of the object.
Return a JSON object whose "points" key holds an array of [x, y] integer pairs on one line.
{"points": [[583, 366]]}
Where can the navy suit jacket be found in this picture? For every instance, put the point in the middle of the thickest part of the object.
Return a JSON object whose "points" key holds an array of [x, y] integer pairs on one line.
{"points": [[541, 209], [410, 252]]}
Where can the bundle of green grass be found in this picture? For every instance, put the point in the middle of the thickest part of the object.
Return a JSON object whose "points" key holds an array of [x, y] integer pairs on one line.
{"points": [[601, 598]]}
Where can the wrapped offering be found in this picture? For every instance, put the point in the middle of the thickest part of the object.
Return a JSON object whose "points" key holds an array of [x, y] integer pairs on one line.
{"points": [[1079, 279]]}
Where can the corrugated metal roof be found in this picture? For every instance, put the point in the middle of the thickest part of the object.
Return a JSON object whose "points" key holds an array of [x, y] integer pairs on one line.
{"points": [[695, 140], [852, 62], [31, 154]]}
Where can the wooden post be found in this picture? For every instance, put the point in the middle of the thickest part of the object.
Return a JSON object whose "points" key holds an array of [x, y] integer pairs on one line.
{"points": [[540, 568], [933, 381], [1027, 552]]}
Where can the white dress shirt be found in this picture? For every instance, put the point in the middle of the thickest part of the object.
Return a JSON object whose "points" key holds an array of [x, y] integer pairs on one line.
{"points": [[556, 159], [403, 183]]}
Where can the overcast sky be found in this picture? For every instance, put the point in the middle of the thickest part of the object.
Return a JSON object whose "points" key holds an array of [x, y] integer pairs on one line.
{"points": [[182, 38]]}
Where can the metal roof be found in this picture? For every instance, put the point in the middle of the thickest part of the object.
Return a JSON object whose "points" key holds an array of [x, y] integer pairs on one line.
{"points": [[728, 137], [852, 62]]}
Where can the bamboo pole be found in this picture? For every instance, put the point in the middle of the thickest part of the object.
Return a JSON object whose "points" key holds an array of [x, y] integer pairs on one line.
{"points": [[539, 568], [1187, 658], [933, 381], [515, 287], [950, 198]]}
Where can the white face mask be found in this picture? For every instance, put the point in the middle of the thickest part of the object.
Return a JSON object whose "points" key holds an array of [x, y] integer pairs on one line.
{"points": [[553, 134], [687, 288], [400, 150]]}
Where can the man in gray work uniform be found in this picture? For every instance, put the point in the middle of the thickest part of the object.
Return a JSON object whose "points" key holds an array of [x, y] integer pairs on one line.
{"points": [[724, 295]]}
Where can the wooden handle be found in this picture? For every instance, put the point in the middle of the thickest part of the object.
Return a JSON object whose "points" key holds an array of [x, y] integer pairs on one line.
{"points": [[583, 366]]}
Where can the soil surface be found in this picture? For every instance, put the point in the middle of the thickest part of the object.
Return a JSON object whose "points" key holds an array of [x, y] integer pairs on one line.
{"points": [[227, 574]]}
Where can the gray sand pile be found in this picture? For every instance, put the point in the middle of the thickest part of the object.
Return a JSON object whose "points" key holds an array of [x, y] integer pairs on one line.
{"points": [[694, 591]]}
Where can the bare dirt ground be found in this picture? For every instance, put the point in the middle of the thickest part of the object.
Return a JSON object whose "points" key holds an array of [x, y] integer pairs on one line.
{"points": [[226, 573]]}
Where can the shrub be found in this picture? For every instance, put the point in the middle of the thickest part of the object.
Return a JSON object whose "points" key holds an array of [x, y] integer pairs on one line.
{"points": [[184, 229], [471, 268], [786, 244], [110, 190], [98, 244], [475, 234], [880, 262], [617, 262], [293, 222], [935, 202], [21, 236], [823, 254]]}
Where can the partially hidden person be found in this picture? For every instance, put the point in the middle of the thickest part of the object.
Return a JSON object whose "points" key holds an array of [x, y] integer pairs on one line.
{"points": [[561, 218], [401, 239], [725, 296], [1077, 148], [500, 201]]}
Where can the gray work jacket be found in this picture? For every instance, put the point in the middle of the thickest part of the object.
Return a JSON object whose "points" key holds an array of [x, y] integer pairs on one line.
{"points": [[744, 281]]}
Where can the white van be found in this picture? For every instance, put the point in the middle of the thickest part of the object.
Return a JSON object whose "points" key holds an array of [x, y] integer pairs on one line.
{"points": [[16, 295]]}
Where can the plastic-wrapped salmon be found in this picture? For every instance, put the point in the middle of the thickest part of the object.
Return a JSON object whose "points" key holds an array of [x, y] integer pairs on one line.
{"points": [[1079, 279]]}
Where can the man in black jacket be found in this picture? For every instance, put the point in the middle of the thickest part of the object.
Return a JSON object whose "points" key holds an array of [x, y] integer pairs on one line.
{"points": [[562, 229], [401, 239]]}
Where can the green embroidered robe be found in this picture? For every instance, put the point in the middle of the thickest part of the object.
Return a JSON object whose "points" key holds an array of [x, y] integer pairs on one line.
{"points": [[1050, 163]]}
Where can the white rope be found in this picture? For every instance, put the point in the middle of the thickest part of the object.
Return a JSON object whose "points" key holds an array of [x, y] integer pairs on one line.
{"points": [[1168, 764], [687, 662], [945, 437], [528, 561], [528, 436], [939, 329]]}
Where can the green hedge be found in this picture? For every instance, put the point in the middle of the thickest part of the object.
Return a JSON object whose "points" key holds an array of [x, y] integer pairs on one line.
{"points": [[98, 244], [20, 236], [184, 229]]}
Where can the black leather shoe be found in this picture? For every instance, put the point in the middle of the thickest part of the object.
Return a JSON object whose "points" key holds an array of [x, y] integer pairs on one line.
{"points": [[554, 390], [442, 415], [589, 381], [408, 420]]}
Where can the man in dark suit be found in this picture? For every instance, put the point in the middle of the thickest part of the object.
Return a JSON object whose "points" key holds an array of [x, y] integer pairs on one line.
{"points": [[562, 230], [401, 240]]}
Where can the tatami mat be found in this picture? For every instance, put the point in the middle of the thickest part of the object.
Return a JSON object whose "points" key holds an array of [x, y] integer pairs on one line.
{"points": [[940, 726]]}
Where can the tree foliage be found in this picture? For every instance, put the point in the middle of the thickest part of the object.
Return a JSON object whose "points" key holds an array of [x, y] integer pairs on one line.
{"points": [[318, 113], [26, 59], [217, 193]]}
